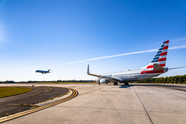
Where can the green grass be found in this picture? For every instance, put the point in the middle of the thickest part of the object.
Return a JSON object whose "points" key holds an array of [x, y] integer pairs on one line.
{"points": [[63, 83], [10, 91]]}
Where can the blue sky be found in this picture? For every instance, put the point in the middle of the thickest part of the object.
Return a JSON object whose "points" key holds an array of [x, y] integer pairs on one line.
{"points": [[48, 34]]}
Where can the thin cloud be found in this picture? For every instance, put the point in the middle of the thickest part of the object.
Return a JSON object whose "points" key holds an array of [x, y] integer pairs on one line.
{"points": [[124, 54], [179, 39], [177, 47]]}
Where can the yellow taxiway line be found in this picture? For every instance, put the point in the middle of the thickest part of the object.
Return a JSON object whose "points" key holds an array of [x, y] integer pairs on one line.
{"points": [[7, 118]]}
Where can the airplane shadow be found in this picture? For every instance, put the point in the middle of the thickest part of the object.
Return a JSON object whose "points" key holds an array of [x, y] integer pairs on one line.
{"points": [[153, 85], [126, 86]]}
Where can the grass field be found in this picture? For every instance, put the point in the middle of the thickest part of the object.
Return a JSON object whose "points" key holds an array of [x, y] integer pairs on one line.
{"points": [[10, 91], [63, 83]]}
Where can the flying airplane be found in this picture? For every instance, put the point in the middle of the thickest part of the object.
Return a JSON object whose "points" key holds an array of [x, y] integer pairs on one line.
{"points": [[42, 71], [154, 68]]}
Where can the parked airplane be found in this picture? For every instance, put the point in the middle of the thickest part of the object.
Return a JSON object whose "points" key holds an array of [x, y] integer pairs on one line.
{"points": [[154, 68], [42, 71]]}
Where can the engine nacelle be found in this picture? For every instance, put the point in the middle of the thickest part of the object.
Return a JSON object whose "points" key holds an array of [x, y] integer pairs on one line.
{"points": [[104, 81]]}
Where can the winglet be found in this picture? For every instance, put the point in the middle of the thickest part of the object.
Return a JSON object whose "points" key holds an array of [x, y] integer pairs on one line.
{"points": [[88, 69], [108, 78]]}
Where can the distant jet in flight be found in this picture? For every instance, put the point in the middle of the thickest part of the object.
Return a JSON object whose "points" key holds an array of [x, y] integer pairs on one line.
{"points": [[154, 68], [42, 71]]}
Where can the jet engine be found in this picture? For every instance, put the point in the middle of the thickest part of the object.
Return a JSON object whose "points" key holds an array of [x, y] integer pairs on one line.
{"points": [[104, 81]]}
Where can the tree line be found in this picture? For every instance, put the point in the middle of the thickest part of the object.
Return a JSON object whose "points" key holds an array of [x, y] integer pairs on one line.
{"points": [[57, 81], [172, 79]]}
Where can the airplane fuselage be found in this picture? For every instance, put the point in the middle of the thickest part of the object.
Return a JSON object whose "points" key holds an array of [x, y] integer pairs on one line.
{"points": [[133, 75], [154, 68], [42, 71]]}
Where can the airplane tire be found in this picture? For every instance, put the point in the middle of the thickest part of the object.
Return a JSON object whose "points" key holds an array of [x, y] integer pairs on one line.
{"points": [[115, 83], [126, 83]]}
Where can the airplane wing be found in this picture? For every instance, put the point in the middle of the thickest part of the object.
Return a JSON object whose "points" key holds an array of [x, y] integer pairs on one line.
{"points": [[100, 76], [177, 67]]}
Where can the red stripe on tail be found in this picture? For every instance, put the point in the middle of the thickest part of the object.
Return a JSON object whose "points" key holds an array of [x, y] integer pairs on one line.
{"points": [[152, 66], [165, 47], [162, 54], [162, 59]]}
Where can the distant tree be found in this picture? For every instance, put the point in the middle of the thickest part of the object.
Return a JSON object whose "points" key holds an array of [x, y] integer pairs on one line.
{"points": [[172, 79]]}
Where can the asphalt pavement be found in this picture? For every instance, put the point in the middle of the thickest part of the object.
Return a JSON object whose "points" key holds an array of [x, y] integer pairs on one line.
{"points": [[108, 104]]}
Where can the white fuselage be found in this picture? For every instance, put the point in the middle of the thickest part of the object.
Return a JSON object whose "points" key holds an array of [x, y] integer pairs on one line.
{"points": [[154, 68], [133, 75]]}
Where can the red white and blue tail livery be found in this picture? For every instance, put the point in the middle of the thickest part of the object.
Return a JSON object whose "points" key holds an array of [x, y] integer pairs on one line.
{"points": [[159, 59], [154, 68]]}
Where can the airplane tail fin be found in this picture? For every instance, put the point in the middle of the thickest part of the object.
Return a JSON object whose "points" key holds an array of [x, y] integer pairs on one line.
{"points": [[48, 70], [160, 57]]}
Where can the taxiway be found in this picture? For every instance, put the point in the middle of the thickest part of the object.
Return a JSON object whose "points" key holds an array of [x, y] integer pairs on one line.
{"points": [[108, 104]]}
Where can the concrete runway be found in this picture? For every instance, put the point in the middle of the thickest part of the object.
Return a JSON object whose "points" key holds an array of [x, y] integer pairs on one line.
{"points": [[108, 104]]}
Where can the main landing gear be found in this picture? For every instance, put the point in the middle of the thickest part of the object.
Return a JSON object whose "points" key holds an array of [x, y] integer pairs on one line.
{"points": [[115, 83], [126, 83]]}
